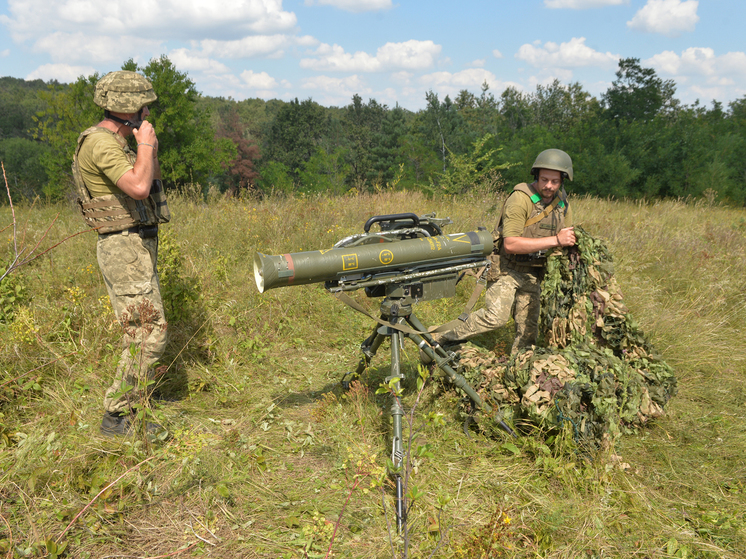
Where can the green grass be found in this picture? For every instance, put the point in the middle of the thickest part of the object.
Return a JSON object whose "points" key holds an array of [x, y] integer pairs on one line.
{"points": [[268, 457]]}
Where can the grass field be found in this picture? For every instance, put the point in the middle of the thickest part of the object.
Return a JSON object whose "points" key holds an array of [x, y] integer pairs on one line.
{"points": [[268, 458]]}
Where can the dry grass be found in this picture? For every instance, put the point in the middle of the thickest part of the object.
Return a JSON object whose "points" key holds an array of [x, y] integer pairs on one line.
{"points": [[268, 457]]}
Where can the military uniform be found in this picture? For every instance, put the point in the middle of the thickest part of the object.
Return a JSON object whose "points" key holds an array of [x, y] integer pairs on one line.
{"points": [[127, 247], [514, 283]]}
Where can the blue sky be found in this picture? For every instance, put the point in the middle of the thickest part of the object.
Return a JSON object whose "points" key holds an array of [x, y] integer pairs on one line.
{"points": [[391, 51]]}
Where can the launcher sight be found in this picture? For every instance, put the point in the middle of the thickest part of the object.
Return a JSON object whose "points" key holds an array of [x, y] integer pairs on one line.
{"points": [[409, 257]]}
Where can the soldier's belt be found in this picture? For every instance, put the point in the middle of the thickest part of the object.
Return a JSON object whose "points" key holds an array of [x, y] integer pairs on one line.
{"points": [[145, 232], [536, 269]]}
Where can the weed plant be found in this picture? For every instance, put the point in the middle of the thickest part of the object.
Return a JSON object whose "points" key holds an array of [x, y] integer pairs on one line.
{"points": [[268, 458]]}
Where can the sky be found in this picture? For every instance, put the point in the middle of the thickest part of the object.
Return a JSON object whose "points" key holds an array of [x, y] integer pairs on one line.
{"points": [[393, 52]]}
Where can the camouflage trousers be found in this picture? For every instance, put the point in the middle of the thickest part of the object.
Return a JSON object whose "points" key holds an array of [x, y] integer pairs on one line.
{"points": [[513, 293], [129, 266]]}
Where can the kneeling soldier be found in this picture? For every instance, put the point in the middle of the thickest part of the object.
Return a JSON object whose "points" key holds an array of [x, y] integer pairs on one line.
{"points": [[535, 219]]}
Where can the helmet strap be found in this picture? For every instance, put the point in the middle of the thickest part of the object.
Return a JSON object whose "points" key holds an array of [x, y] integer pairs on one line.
{"points": [[132, 124]]}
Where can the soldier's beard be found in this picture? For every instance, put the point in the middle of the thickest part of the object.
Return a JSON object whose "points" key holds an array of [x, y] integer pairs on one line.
{"points": [[547, 193]]}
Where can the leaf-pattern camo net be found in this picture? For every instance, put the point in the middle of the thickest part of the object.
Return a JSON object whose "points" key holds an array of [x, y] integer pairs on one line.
{"points": [[598, 377]]}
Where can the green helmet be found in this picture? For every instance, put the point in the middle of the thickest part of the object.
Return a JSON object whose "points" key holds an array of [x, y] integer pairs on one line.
{"points": [[123, 92], [554, 159]]}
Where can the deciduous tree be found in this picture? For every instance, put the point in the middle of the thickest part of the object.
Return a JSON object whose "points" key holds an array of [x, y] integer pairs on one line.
{"points": [[68, 110], [241, 171], [294, 135], [638, 93], [188, 150]]}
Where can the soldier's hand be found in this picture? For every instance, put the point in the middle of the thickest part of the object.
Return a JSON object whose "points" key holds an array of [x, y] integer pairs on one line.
{"points": [[566, 237], [146, 135]]}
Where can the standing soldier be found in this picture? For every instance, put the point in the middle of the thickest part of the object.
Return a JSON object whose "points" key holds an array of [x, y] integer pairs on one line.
{"points": [[536, 218], [121, 197]]}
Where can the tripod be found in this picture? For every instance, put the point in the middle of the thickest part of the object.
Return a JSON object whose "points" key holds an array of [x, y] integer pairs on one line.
{"points": [[399, 323]]}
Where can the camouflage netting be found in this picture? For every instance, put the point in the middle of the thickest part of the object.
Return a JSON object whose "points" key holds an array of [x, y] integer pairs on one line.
{"points": [[598, 377]]}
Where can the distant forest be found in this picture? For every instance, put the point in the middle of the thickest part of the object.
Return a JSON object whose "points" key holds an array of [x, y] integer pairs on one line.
{"points": [[636, 141]]}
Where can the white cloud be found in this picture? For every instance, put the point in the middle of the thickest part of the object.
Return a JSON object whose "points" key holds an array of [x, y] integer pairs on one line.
{"points": [[720, 81], [597, 88], [261, 80], [183, 59], [447, 83], [707, 92], [667, 17], [464, 79], [402, 77], [230, 85], [257, 45], [63, 73], [548, 77], [337, 92], [700, 74], [352, 84], [4, 53], [497, 54], [96, 48], [582, 4], [477, 63], [167, 19], [697, 61], [353, 5], [573, 54], [390, 93], [334, 58], [410, 55]]}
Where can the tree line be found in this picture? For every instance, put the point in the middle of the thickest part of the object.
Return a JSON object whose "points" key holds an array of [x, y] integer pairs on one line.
{"points": [[636, 140]]}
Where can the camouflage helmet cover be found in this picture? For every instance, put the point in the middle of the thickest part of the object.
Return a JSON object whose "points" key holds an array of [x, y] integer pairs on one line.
{"points": [[554, 159], [123, 92]]}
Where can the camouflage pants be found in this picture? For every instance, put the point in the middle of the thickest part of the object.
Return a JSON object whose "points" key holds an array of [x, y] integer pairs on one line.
{"points": [[513, 293], [129, 266]]}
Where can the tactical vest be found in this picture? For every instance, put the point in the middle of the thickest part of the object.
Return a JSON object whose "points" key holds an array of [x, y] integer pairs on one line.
{"points": [[544, 221], [117, 212]]}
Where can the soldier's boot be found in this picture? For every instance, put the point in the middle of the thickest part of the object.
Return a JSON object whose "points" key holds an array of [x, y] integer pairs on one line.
{"points": [[123, 425]]}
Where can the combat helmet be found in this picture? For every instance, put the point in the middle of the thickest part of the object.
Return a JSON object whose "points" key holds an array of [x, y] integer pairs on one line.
{"points": [[123, 92], [554, 159]]}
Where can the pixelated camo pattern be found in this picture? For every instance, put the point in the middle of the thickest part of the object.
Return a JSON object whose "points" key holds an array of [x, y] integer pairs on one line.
{"points": [[599, 377], [123, 92]]}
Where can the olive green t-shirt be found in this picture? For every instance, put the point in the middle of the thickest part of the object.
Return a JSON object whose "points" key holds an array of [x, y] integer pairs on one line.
{"points": [[518, 209], [102, 163]]}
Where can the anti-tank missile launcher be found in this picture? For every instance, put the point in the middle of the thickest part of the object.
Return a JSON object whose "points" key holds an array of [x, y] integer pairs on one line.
{"points": [[410, 256], [408, 260]]}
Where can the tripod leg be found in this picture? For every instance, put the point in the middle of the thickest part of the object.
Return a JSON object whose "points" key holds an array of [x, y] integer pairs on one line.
{"points": [[455, 378], [397, 412], [369, 348]]}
